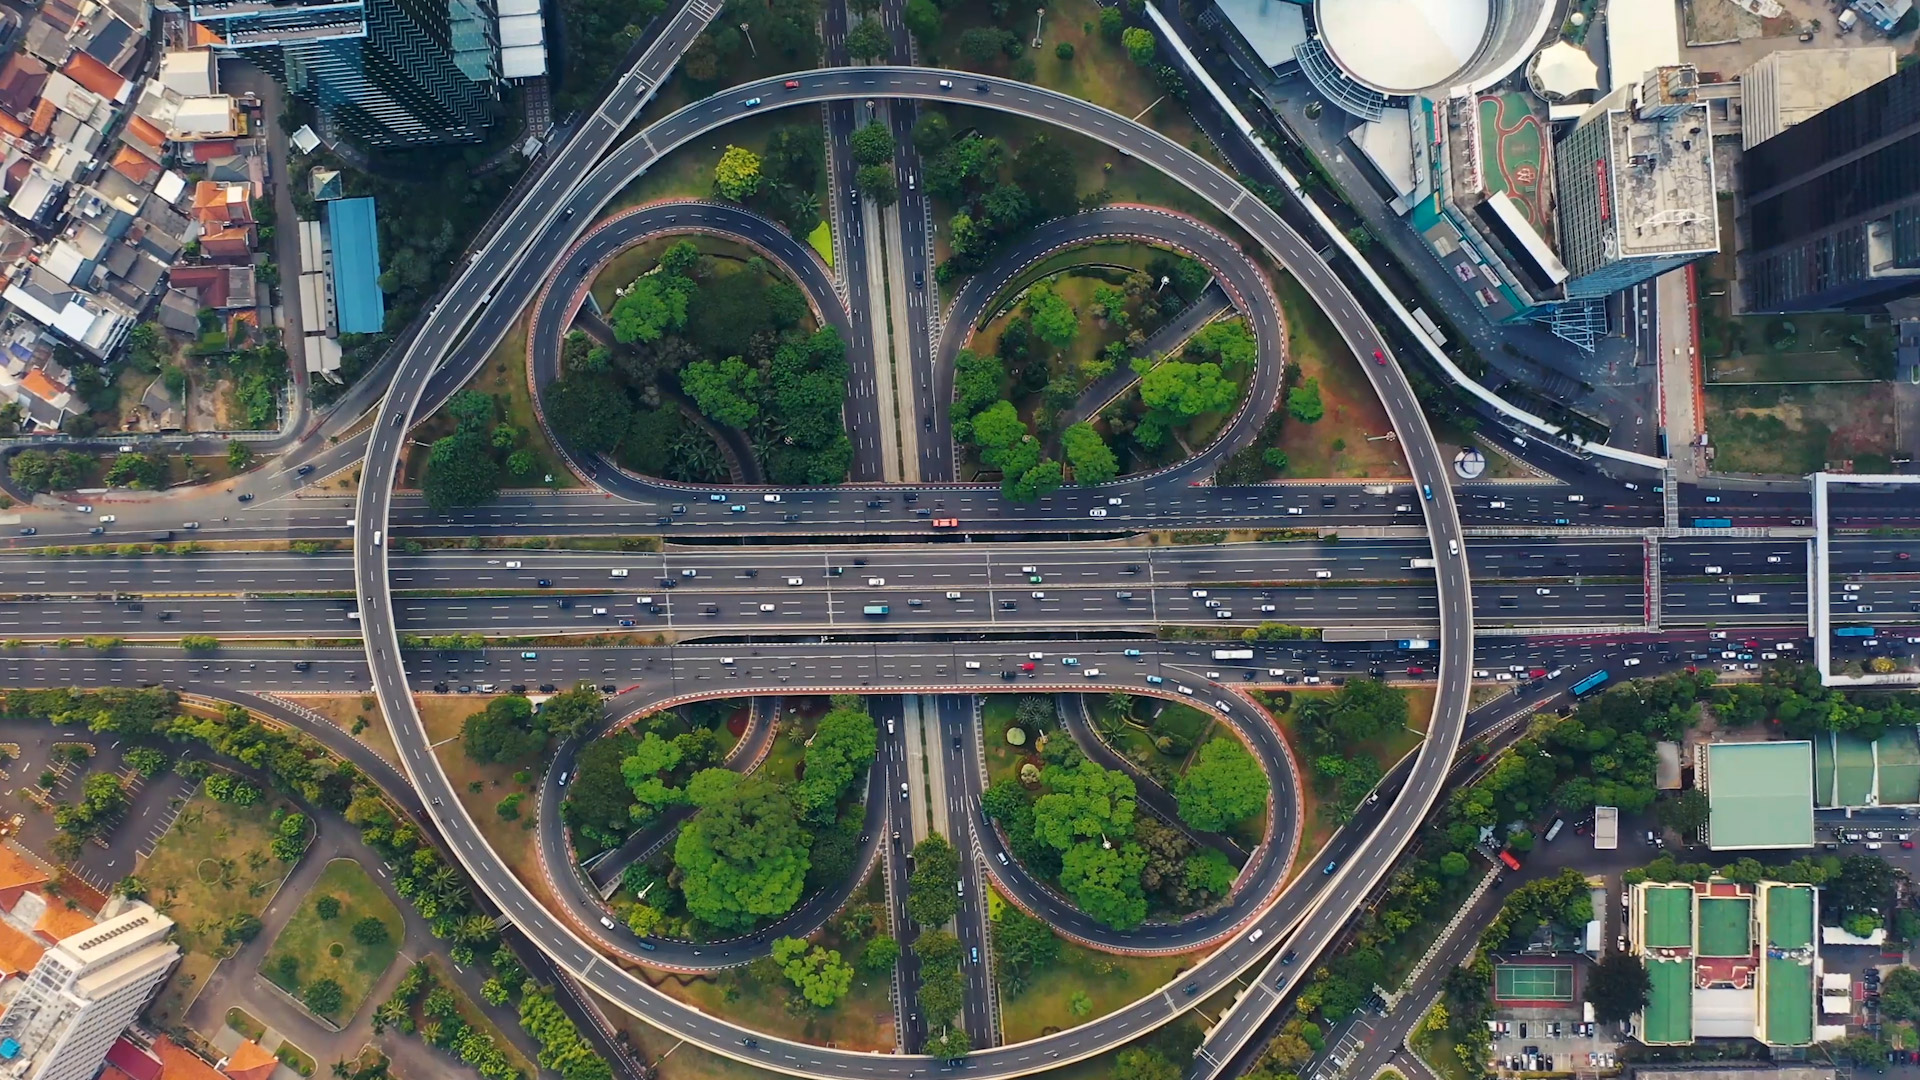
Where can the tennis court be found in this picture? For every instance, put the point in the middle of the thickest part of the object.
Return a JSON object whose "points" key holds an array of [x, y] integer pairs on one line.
{"points": [[1669, 1012], [1725, 927], [1669, 917], [1533, 982], [1899, 767], [1853, 770]]}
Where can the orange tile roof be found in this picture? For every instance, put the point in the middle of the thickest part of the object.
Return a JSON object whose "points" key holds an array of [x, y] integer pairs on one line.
{"points": [[11, 125], [109, 1072], [250, 1061], [180, 1063], [93, 75], [200, 34], [19, 951], [43, 114], [141, 128], [16, 869], [37, 383], [135, 166], [60, 921]]}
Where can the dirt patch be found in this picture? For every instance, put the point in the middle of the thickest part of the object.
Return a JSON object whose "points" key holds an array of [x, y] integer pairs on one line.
{"points": [[1337, 445], [1796, 430]]}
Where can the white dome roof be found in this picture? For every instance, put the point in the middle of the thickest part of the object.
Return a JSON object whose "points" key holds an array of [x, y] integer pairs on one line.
{"points": [[1403, 46]]}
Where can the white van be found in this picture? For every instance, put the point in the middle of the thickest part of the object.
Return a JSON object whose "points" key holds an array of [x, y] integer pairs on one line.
{"points": [[876, 582], [378, 535], [796, 581], [620, 571], [973, 665], [599, 611], [726, 661], [513, 564]]}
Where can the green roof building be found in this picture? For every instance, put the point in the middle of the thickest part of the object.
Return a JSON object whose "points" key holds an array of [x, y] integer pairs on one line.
{"points": [[1759, 795]]}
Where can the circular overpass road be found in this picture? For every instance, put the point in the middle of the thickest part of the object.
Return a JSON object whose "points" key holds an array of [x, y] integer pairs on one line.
{"points": [[1321, 905]]}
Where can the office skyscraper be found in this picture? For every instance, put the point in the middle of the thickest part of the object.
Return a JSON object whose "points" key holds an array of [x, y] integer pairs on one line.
{"points": [[389, 72], [1635, 182], [83, 993], [1830, 207]]}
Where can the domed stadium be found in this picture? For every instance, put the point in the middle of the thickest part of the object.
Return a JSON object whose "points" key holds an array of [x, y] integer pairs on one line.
{"points": [[1365, 52]]}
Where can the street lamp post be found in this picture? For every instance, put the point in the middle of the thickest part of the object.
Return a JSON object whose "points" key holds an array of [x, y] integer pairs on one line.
{"points": [[749, 37]]}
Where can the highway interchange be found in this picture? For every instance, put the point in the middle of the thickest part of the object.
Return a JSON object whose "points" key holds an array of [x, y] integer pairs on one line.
{"points": [[803, 619]]}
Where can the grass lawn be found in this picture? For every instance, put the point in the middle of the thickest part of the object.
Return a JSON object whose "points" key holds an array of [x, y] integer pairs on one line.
{"points": [[1003, 761], [243, 1022], [863, 1020], [789, 750], [326, 948], [1110, 982], [1353, 410], [347, 709], [1316, 827], [687, 173], [1117, 253], [296, 1059], [1793, 430], [1436, 1049], [215, 863], [514, 840]]}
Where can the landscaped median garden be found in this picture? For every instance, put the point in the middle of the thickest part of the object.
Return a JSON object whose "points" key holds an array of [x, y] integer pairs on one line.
{"points": [[1074, 823]]}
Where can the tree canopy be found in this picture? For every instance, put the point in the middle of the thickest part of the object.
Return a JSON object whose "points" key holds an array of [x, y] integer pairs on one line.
{"points": [[743, 857], [1222, 787]]}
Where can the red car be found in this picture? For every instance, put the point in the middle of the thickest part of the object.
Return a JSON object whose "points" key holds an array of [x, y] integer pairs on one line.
{"points": [[1379, 359], [1903, 556], [1028, 666], [793, 84], [1416, 671], [1907, 844]]}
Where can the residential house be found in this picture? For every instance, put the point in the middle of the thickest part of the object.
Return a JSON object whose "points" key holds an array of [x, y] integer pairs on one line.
{"points": [[225, 215], [21, 78], [249, 1061]]}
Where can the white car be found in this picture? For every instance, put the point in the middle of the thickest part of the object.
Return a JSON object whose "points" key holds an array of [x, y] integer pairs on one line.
{"points": [[1295, 510], [1029, 569], [1268, 608], [1769, 656], [953, 596], [1773, 558], [1039, 594], [1223, 614], [1098, 511], [84, 509], [770, 497], [1483, 673], [1199, 594], [876, 582], [1543, 591], [796, 581], [1631, 661], [1716, 635], [109, 519], [1503, 676], [766, 607], [1036, 656], [1113, 500], [1716, 569]]}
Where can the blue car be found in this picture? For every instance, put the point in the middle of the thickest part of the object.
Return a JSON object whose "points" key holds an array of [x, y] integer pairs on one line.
{"points": [[1330, 867], [1427, 490], [737, 508], [716, 497]]}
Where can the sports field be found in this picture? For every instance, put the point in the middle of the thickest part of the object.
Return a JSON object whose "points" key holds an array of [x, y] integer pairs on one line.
{"points": [[1533, 982], [1789, 917], [1899, 767], [1669, 917], [1853, 766], [1669, 1011], [1513, 146], [1725, 924], [1789, 1002]]}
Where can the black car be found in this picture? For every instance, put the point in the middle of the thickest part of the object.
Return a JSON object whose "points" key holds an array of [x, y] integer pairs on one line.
{"points": [[956, 742], [303, 470], [518, 688], [1008, 675], [875, 504], [1287, 957], [544, 583], [28, 531], [792, 516], [303, 665], [564, 603], [439, 688], [246, 496], [547, 688], [608, 688], [136, 607]]}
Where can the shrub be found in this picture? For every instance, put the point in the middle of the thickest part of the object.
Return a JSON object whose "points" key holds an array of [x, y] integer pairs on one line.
{"points": [[327, 907], [370, 931]]}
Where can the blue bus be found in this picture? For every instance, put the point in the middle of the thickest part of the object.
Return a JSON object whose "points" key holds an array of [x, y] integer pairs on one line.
{"points": [[1853, 631], [1588, 684], [875, 609], [1713, 523]]}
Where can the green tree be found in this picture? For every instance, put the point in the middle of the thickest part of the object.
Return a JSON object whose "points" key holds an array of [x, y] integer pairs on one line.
{"points": [[923, 22], [931, 895], [737, 174], [868, 41], [323, 996], [590, 413], [744, 856], [1900, 994], [727, 392], [843, 745], [1617, 987], [1303, 402], [1183, 390], [573, 711], [872, 144], [42, 470], [878, 183], [1223, 786], [880, 955], [1084, 802], [327, 907], [1054, 320], [1064, 50], [1144, 1063], [370, 931], [1453, 864], [1111, 23], [1092, 460], [1105, 882], [1139, 44], [239, 454], [504, 731], [461, 471], [819, 973], [931, 132], [654, 306], [645, 771]]}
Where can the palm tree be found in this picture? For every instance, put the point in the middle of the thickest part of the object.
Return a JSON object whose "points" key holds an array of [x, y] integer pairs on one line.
{"points": [[473, 930], [1120, 706], [444, 882], [806, 204]]}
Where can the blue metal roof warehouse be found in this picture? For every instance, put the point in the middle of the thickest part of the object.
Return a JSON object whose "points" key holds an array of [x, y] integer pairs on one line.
{"points": [[359, 306]]}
